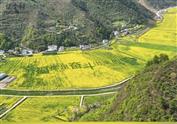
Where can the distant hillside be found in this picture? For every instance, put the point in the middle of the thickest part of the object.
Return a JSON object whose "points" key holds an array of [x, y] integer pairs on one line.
{"points": [[37, 23], [150, 96]]}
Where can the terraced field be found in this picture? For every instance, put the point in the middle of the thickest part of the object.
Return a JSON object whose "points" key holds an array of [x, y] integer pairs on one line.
{"points": [[53, 109]]}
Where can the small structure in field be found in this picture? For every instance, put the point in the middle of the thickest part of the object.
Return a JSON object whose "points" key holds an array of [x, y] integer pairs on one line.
{"points": [[85, 47], [61, 49], [2, 76]]}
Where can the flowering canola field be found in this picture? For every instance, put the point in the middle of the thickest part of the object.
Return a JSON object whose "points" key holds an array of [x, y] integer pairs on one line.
{"points": [[164, 32]]}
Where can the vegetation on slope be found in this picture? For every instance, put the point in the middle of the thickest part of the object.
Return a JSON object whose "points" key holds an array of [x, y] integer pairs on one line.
{"points": [[35, 23], [150, 96]]}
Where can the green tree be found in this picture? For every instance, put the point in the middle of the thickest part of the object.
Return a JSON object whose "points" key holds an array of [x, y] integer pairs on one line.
{"points": [[5, 42]]}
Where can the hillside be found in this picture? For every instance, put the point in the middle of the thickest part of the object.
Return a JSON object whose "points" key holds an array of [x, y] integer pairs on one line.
{"points": [[150, 96], [37, 23]]}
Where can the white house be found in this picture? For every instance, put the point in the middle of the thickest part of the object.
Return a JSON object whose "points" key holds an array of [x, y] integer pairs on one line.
{"points": [[116, 33], [52, 48], [105, 42], [125, 32], [61, 49], [26, 52], [11, 51], [85, 47], [2, 52]]}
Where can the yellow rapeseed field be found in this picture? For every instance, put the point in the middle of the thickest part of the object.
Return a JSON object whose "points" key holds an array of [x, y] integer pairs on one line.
{"points": [[165, 32]]}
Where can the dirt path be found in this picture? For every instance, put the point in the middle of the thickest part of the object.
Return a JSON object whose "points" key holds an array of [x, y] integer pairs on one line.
{"points": [[14, 106]]}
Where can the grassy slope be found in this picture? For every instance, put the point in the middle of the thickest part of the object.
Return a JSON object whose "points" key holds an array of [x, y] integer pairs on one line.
{"points": [[151, 96], [53, 109], [44, 110]]}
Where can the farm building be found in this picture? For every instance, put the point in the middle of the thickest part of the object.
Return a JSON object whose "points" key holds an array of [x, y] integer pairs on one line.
{"points": [[116, 33], [2, 52], [125, 32], [11, 51], [85, 47], [2, 76], [61, 49], [5, 80], [52, 48], [26, 52], [105, 42]]}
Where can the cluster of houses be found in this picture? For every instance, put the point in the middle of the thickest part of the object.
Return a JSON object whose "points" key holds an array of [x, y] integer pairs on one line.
{"points": [[5, 80], [54, 49], [19, 52], [123, 32]]}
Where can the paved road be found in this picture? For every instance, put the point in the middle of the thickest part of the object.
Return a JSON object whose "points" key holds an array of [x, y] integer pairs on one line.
{"points": [[69, 92]]}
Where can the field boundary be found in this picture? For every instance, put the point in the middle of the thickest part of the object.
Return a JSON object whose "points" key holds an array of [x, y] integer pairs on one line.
{"points": [[69, 92]]}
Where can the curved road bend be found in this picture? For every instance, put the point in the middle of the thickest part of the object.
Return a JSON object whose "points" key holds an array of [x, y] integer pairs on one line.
{"points": [[70, 92]]}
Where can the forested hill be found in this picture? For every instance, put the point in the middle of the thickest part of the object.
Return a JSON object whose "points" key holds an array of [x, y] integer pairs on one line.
{"points": [[37, 23], [150, 96]]}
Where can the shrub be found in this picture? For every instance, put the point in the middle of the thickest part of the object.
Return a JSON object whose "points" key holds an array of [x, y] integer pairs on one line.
{"points": [[158, 59]]}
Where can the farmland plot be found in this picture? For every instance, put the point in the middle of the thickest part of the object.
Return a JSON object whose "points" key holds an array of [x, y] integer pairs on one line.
{"points": [[165, 32], [69, 70], [54, 109]]}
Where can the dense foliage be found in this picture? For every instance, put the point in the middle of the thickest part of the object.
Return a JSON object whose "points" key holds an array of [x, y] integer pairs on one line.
{"points": [[150, 96], [38, 23], [158, 59]]}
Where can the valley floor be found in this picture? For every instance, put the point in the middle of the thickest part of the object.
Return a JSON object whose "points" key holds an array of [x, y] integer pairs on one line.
{"points": [[78, 69]]}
